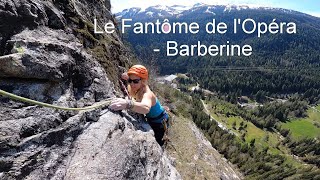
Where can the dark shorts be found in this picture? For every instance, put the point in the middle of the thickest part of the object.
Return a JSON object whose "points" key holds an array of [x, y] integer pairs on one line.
{"points": [[158, 128]]}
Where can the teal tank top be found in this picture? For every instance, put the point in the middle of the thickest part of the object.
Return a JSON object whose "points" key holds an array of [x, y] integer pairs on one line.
{"points": [[155, 110]]}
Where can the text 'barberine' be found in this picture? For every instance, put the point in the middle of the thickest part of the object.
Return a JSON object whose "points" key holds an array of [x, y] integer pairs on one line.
{"points": [[173, 48]]}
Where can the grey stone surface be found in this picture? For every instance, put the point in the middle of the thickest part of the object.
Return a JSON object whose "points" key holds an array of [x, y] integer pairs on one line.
{"points": [[112, 148], [224, 170], [41, 58]]}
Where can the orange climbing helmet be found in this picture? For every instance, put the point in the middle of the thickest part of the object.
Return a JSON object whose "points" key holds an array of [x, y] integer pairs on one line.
{"points": [[139, 70]]}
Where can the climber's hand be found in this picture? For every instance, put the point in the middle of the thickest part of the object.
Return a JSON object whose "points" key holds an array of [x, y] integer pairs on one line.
{"points": [[118, 104], [125, 76]]}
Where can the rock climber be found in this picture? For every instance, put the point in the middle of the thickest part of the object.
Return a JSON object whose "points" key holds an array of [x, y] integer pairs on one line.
{"points": [[143, 101]]}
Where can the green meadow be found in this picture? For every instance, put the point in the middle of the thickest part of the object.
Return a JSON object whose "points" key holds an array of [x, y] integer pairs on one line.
{"points": [[305, 127]]}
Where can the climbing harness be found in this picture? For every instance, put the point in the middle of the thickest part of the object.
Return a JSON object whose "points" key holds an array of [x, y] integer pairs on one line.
{"points": [[23, 99], [167, 124], [165, 137]]}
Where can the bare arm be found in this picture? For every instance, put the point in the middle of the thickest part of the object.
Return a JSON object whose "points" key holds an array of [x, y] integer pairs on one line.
{"points": [[144, 106]]}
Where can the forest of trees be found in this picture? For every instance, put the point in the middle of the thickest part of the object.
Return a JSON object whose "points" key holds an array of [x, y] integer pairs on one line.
{"points": [[308, 149], [258, 85], [267, 116], [253, 162]]}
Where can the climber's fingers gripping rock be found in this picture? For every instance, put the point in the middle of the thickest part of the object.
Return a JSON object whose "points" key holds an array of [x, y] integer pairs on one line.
{"points": [[118, 104]]}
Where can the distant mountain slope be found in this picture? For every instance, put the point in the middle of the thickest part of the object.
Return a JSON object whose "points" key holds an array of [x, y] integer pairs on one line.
{"points": [[288, 50], [160, 11], [292, 59]]}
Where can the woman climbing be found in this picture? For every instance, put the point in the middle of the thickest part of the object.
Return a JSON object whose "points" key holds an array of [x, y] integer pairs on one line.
{"points": [[143, 101]]}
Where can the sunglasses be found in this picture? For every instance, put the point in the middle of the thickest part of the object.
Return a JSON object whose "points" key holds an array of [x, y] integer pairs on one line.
{"points": [[135, 81]]}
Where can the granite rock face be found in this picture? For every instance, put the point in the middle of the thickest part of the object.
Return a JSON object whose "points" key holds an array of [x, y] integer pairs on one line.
{"points": [[45, 55], [128, 152]]}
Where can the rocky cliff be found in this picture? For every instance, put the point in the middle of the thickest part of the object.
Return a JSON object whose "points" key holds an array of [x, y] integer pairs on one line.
{"points": [[49, 53]]}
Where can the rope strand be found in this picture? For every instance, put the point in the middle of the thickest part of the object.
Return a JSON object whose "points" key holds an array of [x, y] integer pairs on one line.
{"points": [[23, 99]]}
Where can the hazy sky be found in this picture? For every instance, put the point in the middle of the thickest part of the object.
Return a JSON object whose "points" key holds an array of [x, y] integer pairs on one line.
{"points": [[307, 6]]}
